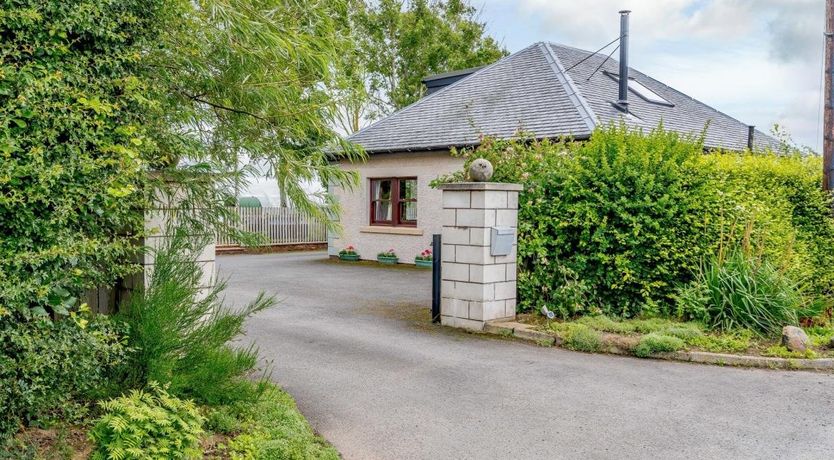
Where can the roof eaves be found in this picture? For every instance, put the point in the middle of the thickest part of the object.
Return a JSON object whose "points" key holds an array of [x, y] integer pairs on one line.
{"points": [[575, 96], [461, 145]]}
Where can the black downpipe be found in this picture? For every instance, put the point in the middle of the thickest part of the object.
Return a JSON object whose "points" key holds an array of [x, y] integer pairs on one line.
{"points": [[623, 96], [435, 278], [751, 131]]}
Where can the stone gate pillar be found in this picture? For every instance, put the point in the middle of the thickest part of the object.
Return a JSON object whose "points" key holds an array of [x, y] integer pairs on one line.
{"points": [[478, 259]]}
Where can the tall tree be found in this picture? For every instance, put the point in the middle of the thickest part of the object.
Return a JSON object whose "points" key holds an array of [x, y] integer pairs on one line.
{"points": [[245, 81], [396, 44]]}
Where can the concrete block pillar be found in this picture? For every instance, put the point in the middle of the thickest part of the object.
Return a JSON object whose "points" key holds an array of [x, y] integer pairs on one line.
{"points": [[478, 277]]}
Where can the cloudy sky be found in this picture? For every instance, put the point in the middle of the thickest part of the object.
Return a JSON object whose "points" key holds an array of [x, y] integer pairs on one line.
{"points": [[758, 60]]}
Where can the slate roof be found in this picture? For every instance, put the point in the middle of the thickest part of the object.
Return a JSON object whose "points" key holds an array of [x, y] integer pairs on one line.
{"points": [[531, 90]]}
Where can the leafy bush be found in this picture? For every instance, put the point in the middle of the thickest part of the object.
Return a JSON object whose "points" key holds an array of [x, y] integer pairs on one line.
{"points": [[148, 425], [789, 215], [274, 429], [180, 330], [617, 224], [579, 337], [222, 420], [741, 291], [72, 111], [617, 220], [48, 368], [657, 343]]}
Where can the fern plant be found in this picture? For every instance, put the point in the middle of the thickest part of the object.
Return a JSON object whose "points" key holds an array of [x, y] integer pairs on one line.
{"points": [[148, 425]]}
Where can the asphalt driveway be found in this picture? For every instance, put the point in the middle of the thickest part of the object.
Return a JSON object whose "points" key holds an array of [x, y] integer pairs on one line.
{"points": [[353, 345]]}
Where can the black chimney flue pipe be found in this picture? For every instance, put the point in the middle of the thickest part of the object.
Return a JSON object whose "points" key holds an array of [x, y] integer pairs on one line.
{"points": [[623, 96]]}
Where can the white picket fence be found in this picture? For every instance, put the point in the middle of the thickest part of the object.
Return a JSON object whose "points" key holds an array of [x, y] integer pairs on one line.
{"points": [[278, 226]]}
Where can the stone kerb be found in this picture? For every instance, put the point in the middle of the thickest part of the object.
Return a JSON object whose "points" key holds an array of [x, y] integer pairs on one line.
{"points": [[477, 286]]}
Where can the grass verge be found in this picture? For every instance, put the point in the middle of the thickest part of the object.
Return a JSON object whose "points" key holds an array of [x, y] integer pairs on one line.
{"points": [[656, 335]]}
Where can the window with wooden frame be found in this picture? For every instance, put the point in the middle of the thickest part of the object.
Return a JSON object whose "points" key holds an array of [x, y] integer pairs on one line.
{"points": [[394, 201]]}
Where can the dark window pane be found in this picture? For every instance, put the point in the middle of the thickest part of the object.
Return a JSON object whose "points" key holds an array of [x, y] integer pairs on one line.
{"points": [[381, 190], [408, 189]]}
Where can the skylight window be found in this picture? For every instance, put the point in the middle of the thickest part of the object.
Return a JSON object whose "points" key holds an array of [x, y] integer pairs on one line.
{"points": [[642, 90], [646, 93]]}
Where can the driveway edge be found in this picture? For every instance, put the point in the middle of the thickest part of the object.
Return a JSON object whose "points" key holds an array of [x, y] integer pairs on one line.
{"points": [[613, 344]]}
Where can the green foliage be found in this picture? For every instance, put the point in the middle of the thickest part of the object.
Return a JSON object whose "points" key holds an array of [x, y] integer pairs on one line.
{"points": [[622, 212], [578, 337], [617, 224], [821, 336], [274, 430], [394, 44], [657, 343], [180, 331], [222, 419], [148, 425], [641, 326], [242, 83], [740, 290], [776, 204], [728, 342], [72, 140], [687, 333], [779, 351], [49, 368]]}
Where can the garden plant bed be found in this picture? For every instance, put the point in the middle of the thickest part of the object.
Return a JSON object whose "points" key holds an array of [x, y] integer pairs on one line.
{"points": [[237, 431], [670, 340]]}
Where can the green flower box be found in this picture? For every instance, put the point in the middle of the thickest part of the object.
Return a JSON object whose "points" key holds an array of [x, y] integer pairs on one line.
{"points": [[423, 263], [388, 260], [349, 257]]}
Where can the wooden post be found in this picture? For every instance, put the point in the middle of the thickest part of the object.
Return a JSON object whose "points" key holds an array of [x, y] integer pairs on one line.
{"points": [[828, 124]]}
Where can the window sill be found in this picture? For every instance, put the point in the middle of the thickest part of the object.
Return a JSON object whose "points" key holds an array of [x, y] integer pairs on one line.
{"points": [[392, 230]]}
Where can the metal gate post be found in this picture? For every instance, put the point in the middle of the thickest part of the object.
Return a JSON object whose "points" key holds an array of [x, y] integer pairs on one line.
{"points": [[435, 278]]}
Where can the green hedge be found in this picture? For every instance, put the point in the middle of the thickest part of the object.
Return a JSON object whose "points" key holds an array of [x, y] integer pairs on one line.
{"points": [[619, 223], [71, 141], [49, 368]]}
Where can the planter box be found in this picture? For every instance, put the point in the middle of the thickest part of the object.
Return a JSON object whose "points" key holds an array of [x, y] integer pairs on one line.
{"points": [[388, 260], [423, 263], [349, 257]]}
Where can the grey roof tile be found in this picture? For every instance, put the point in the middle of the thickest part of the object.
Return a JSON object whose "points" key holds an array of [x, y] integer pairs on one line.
{"points": [[531, 91]]}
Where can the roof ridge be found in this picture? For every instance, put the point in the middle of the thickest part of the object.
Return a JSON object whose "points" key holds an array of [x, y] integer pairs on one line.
{"points": [[441, 90], [574, 94]]}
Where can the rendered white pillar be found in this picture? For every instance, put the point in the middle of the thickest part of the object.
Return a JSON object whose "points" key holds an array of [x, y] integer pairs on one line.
{"points": [[476, 285]]}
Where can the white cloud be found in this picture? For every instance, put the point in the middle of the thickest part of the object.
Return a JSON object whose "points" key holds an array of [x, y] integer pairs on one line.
{"points": [[757, 60]]}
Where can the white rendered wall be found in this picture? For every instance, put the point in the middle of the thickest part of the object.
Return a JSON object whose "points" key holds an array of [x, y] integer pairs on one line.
{"points": [[355, 217]]}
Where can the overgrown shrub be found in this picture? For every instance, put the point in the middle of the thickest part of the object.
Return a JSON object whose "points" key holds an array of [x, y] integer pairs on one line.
{"points": [[617, 224], [579, 337], [72, 135], [274, 429], [776, 203], [48, 369], [146, 425], [617, 220], [657, 343], [741, 291], [180, 331]]}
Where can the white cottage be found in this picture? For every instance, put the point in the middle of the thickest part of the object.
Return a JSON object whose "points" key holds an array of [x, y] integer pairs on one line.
{"points": [[549, 90]]}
